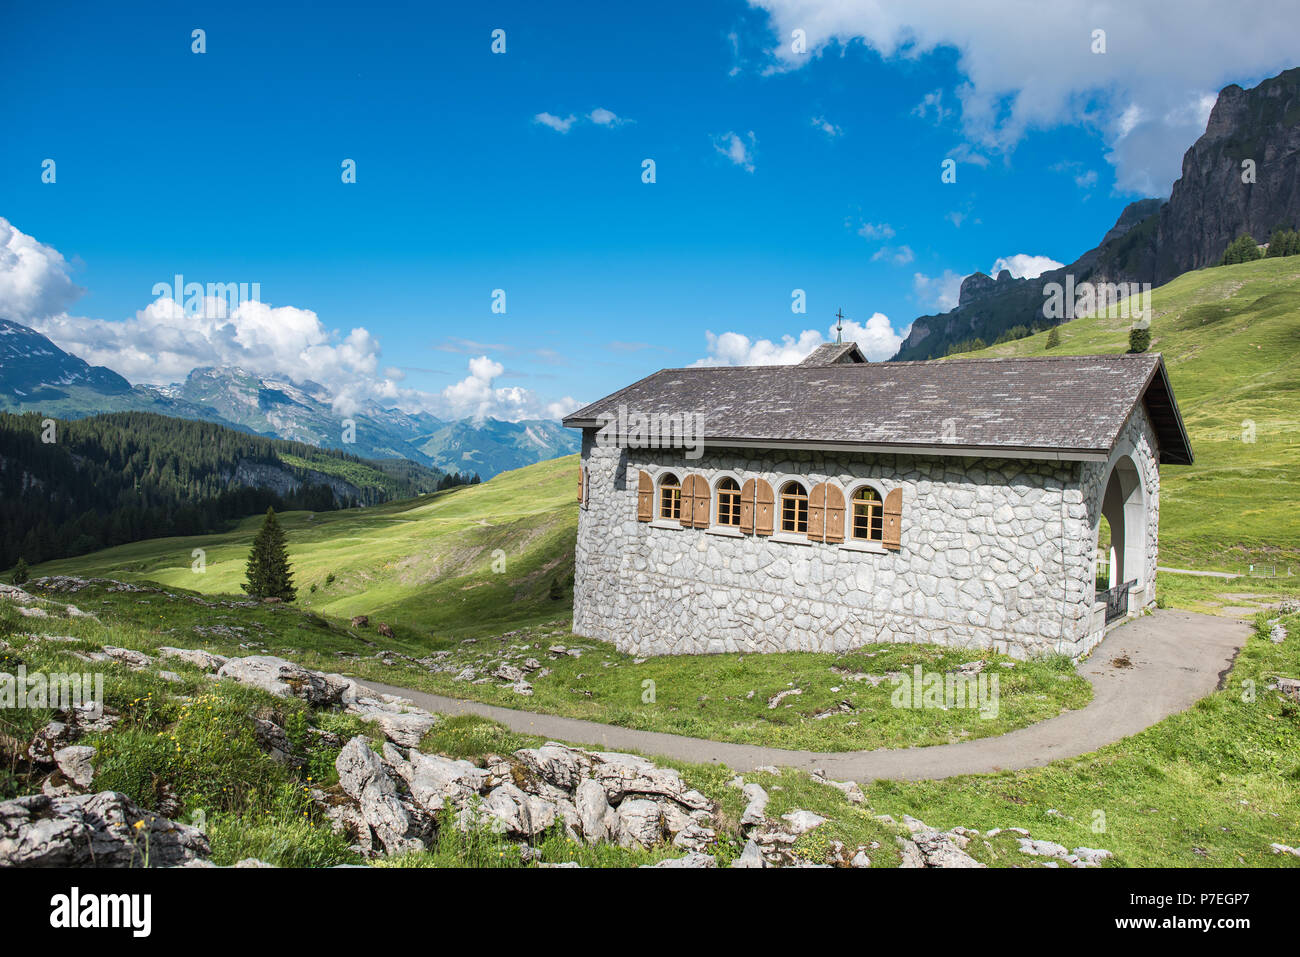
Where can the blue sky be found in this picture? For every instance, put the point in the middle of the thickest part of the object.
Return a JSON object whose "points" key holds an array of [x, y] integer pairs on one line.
{"points": [[774, 170]]}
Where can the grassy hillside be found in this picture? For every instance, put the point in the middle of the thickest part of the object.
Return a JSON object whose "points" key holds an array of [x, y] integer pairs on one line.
{"points": [[1231, 339], [426, 563]]}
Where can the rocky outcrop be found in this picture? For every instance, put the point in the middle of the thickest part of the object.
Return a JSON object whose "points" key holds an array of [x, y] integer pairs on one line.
{"points": [[391, 803], [285, 679], [107, 829]]}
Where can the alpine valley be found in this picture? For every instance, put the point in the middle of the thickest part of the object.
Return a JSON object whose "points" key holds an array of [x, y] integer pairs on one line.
{"points": [[38, 376]]}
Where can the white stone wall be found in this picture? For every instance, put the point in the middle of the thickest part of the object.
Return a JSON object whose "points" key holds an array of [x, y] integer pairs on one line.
{"points": [[995, 554]]}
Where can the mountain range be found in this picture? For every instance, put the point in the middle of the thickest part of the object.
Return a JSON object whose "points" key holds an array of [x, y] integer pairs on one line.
{"points": [[36, 375], [1241, 177]]}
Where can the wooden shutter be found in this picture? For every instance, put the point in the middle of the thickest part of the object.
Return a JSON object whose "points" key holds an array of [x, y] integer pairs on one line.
{"points": [[834, 514], [764, 508], [645, 497], [817, 513], [703, 502], [893, 513], [747, 507], [695, 502]]}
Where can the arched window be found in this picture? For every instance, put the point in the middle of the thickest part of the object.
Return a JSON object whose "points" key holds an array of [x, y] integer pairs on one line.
{"points": [[868, 516], [670, 497], [794, 508], [728, 502]]}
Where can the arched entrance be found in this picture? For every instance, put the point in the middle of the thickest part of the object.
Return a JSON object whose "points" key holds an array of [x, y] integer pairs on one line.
{"points": [[1124, 506]]}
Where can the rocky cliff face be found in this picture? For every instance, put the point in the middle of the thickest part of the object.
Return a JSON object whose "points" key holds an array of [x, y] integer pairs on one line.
{"points": [[1210, 205], [1155, 241]]}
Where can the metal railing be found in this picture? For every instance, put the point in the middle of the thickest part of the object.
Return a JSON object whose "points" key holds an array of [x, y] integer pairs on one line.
{"points": [[1116, 599]]}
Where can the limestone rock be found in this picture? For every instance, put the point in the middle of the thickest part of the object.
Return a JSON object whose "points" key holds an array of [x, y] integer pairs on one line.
{"points": [[283, 679], [640, 821], [93, 830], [521, 814], [435, 781], [694, 859], [363, 777], [203, 660], [594, 813], [756, 807], [801, 822], [74, 762], [751, 856], [135, 660]]}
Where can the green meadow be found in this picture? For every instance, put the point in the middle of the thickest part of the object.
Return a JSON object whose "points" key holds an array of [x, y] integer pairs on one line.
{"points": [[1230, 337]]}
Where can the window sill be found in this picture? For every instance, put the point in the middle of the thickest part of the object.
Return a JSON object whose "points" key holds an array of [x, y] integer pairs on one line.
{"points": [[873, 548], [667, 523], [788, 538], [725, 530]]}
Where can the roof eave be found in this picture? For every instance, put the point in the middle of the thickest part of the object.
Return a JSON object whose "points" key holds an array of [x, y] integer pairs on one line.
{"points": [[1168, 453], [949, 449]]}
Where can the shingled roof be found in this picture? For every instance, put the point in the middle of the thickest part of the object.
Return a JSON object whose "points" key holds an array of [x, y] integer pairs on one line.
{"points": [[1063, 407]]}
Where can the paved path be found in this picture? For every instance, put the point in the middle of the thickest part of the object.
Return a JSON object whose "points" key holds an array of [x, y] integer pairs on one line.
{"points": [[1176, 658], [1193, 571]]}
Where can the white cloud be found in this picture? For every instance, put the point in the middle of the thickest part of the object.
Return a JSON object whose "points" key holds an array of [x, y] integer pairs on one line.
{"points": [[477, 397], [164, 341], [1023, 266], [876, 338], [1024, 71], [932, 103], [34, 278], [876, 231], [826, 126], [561, 124], [899, 256], [736, 149], [938, 292]]}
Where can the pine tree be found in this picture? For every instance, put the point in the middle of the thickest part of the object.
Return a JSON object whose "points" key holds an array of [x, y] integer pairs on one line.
{"points": [[20, 572], [1139, 339], [1243, 249], [1053, 338], [268, 563]]}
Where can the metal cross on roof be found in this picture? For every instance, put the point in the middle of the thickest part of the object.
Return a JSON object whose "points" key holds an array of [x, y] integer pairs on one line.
{"points": [[839, 326]]}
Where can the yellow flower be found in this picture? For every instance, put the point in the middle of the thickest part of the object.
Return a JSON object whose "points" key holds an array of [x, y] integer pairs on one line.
{"points": [[139, 825]]}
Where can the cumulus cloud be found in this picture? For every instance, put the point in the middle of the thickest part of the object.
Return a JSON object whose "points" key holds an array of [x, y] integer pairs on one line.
{"points": [[876, 338], [561, 124], [477, 397], [1023, 266], [35, 279], [1145, 95], [597, 117], [163, 342], [739, 151], [937, 292]]}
